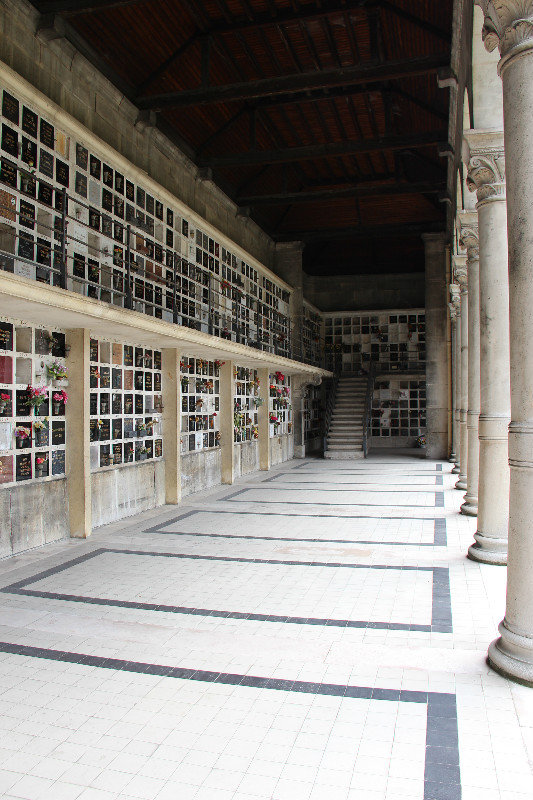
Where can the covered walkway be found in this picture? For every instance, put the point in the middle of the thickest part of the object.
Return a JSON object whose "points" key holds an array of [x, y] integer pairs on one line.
{"points": [[313, 633]]}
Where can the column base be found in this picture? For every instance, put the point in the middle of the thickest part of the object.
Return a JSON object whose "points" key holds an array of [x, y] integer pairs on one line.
{"points": [[453, 458], [488, 550], [461, 483], [469, 507], [512, 656], [457, 469]]}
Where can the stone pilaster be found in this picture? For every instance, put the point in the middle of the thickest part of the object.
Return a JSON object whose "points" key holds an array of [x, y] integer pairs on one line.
{"points": [[172, 424], [227, 394], [78, 459], [469, 239], [509, 25], [263, 419], [486, 175], [289, 268], [436, 347], [461, 277]]}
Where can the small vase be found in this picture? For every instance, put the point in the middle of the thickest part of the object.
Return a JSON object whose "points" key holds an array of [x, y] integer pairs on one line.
{"points": [[40, 472], [56, 407], [3, 404], [21, 443]]}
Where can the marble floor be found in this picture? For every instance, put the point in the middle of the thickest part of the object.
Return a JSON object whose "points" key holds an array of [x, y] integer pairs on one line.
{"points": [[311, 633]]}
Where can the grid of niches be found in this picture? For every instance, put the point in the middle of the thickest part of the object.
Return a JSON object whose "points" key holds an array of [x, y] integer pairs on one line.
{"points": [[246, 401], [399, 408], [396, 341], [313, 413], [39, 162], [280, 408], [312, 322], [125, 403], [200, 404], [32, 433]]}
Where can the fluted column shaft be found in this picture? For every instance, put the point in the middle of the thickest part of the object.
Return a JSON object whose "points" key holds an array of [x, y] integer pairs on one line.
{"points": [[463, 434], [510, 26]]}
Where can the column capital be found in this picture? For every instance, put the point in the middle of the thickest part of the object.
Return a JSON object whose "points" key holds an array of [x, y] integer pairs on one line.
{"points": [[455, 295], [469, 235], [460, 271], [485, 159], [508, 26]]}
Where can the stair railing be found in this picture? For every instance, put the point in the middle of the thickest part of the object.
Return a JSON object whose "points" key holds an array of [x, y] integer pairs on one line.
{"points": [[368, 405], [330, 405]]}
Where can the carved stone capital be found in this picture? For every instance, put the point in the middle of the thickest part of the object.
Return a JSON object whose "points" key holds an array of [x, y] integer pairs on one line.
{"points": [[455, 295], [486, 174], [460, 271], [453, 312], [508, 25], [468, 235]]}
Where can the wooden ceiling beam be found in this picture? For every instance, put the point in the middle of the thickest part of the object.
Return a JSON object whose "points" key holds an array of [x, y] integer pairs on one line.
{"points": [[72, 7], [406, 230], [338, 193], [330, 149], [295, 82]]}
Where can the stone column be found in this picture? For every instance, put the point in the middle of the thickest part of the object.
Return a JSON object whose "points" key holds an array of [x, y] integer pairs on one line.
{"points": [[263, 419], [455, 320], [78, 458], [436, 347], [486, 174], [509, 25], [172, 424], [288, 266], [461, 276], [227, 392], [469, 239]]}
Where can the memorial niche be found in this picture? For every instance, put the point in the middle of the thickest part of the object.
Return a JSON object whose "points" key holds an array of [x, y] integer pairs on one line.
{"points": [[95, 167], [82, 157], [10, 141], [8, 172], [29, 122], [46, 163], [58, 462], [47, 134], [23, 467], [10, 107]]}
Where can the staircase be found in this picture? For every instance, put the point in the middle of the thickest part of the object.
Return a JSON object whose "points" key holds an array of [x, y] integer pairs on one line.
{"points": [[345, 434]]}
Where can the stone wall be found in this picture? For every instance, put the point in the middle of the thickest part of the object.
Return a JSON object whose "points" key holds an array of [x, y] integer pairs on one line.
{"points": [[200, 471], [281, 449], [365, 292], [32, 515], [245, 458], [120, 492]]}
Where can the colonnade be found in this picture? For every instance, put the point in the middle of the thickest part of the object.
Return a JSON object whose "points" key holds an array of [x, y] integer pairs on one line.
{"points": [[491, 302]]}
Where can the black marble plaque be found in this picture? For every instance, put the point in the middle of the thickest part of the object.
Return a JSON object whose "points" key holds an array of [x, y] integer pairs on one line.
{"points": [[128, 355], [27, 214], [78, 265], [26, 246], [58, 432], [157, 359], [46, 163], [139, 404], [23, 468], [118, 256], [150, 204], [43, 252], [118, 232], [117, 429], [184, 227], [148, 359], [80, 184], [170, 217], [128, 404], [170, 241], [29, 152], [119, 183], [93, 350], [47, 134], [158, 448], [45, 193], [141, 197], [8, 173], [159, 210], [105, 377], [107, 175], [105, 430], [62, 172], [139, 356], [58, 462], [29, 122], [10, 141], [94, 219], [117, 451], [93, 404], [139, 381], [93, 430], [148, 382], [94, 270], [10, 107], [116, 381], [130, 191], [118, 206], [116, 403], [107, 200], [128, 452], [82, 156], [157, 381], [93, 376], [95, 167], [41, 437], [28, 184]]}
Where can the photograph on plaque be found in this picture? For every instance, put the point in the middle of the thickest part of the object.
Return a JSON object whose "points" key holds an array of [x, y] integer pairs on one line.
{"points": [[58, 432], [107, 175], [116, 403], [23, 468], [80, 184], [10, 107], [95, 167], [118, 232], [47, 134], [46, 163], [58, 462], [94, 219], [62, 172], [45, 193], [139, 381], [139, 404], [82, 156], [29, 152], [10, 141]]}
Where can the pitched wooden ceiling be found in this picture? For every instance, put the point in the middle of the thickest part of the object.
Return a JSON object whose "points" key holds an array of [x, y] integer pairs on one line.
{"points": [[322, 119]]}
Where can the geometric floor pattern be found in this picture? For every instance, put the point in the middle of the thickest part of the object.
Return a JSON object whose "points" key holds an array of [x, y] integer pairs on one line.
{"points": [[311, 633]]}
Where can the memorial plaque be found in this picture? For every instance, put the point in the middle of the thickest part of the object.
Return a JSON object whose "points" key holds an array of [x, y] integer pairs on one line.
{"points": [[170, 217], [82, 156], [6, 469], [170, 243], [139, 356], [46, 163], [93, 404], [158, 448], [128, 452], [58, 432], [117, 453], [62, 172], [94, 219], [41, 436], [6, 435], [105, 430], [116, 404], [43, 254], [23, 468], [45, 194], [29, 152], [148, 381], [118, 256], [158, 253], [58, 462], [139, 404], [150, 204], [26, 246], [105, 377], [119, 183], [80, 185], [10, 107], [28, 184], [184, 403], [10, 141], [118, 232], [117, 429], [78, 265], [185, 227], [95, 167], [130, 191], [27, 214], [157, 359], [47, 134], [159, 210], [128, 404], [6, 370], [128, 355], [8, 172], [107, 227], [107, 175], [29, 122], [6, 336], [93, 350], [139, 381], [141, 197], [107, 200], [119, 206], [116, 379]]}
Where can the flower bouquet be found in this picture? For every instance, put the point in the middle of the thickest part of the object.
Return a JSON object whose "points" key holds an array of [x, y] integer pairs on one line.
{"points": [[59, 399], [37, 396]]}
